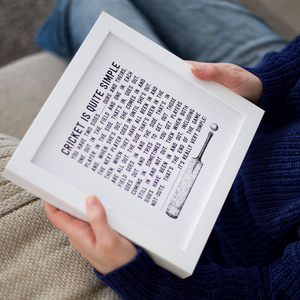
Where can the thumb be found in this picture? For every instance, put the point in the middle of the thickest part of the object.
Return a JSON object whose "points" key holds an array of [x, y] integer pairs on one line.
{"points": [[218, 72], [234, 77], [97, 216]]}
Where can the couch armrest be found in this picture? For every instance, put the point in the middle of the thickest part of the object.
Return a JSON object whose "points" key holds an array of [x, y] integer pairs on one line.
{"points": [[281, 15], [24, 87]]}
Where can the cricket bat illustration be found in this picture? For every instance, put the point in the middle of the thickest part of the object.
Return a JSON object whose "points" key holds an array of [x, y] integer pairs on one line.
{"points": [[190, 175]]}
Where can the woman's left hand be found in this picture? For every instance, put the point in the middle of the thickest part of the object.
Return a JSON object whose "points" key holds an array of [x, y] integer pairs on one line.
{"points": [[103, 247]]}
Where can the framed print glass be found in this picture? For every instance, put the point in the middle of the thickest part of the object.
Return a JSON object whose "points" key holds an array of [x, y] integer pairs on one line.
{"points": [[130, 123]]}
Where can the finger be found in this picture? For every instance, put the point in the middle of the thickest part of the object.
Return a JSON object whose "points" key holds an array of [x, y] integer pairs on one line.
{"points": [[97, 218], [49, 208], [198, 69], [218, 72], [64, 222], [224, 73], [52, 212]]}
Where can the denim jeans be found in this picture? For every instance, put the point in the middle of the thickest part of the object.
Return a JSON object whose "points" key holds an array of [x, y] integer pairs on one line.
{"points": [[201, 30]]}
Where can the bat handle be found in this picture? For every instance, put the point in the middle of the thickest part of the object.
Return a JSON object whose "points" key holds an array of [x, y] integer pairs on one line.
{"points": [[210, 134], [213, 127]]}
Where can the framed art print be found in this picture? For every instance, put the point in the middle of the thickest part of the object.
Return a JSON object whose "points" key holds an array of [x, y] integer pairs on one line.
{"points": [[130, 123]]}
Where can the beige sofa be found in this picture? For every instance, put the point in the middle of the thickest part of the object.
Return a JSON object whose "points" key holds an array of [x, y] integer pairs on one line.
{"points": [[36, 260]]}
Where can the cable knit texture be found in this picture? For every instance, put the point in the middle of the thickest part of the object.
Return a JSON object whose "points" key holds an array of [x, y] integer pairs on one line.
{"points": [[254, 249], [37, 261]]}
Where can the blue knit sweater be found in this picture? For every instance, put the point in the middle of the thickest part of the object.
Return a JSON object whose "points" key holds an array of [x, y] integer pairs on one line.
{"points": [[254, 249]]}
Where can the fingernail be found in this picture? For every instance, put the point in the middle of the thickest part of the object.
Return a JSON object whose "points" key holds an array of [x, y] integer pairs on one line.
{"points": [[91, 200], [198, 67]]}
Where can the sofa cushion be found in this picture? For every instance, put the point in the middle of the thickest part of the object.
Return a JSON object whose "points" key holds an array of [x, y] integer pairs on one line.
{"points": [[24, 87], [281, 15], [36, 260]]}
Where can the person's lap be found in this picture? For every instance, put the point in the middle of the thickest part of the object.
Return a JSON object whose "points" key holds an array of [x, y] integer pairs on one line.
{"points": [[201, 30], [211, 30], [83, 16]]}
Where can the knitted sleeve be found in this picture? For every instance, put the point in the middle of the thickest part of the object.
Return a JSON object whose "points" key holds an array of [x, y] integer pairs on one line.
{"points": [[142, 279], [279, 72]]}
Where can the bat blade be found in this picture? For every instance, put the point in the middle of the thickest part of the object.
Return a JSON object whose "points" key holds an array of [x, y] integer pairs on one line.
{"points": [[184, 188], [189, 177]]}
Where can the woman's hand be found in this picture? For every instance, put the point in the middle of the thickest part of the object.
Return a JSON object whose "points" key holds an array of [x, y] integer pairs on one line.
{"points": [[103, 247], [233, 77]]}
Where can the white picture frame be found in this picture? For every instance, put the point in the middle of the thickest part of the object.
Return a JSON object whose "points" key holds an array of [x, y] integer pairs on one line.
{"points": [[25, 169]]}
